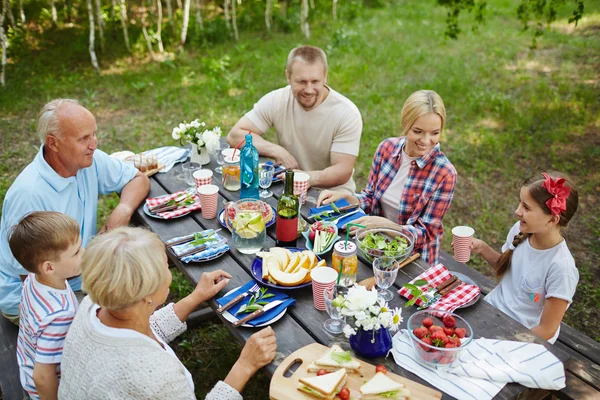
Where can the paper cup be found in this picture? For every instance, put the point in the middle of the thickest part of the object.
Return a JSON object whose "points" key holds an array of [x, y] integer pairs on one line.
{"points": [[203, 177], [301, 185], [462, 239], [322, 278], [209, 197]]}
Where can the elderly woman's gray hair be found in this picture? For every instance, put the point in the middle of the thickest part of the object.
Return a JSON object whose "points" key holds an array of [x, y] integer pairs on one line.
{"points": [[121, 267], [48, 121]]}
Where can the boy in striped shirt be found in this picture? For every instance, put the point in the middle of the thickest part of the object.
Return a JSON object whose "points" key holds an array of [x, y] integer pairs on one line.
{"points": [[48, 245]]}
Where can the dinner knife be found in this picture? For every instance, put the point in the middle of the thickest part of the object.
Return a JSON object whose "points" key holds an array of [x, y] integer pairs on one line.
{"points": [[257, 313], [238, 298]]}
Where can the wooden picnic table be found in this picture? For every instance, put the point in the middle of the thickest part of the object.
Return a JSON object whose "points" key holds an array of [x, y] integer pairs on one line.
{"points": [[303, 324]]}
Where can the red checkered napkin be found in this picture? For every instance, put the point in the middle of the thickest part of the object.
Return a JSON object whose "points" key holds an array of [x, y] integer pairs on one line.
{"points": [[463, 294], [156, 201]]}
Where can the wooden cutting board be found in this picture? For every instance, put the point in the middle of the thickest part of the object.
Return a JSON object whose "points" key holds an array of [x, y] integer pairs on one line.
{"points": [[151, 172], [283, 388]]}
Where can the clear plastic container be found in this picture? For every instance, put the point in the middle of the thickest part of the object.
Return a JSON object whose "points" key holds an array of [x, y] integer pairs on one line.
{"points": [[231, 171], [345, 253]]}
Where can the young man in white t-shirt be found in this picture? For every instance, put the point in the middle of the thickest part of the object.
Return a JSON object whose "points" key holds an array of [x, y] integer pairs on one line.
{"points": [[318, 129]]}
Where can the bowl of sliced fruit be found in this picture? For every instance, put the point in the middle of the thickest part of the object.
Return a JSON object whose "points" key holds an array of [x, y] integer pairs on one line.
{"points": [[377, 242], [321, 237], [438, 337]]}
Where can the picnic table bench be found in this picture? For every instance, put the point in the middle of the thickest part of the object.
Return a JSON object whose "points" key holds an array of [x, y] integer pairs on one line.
{"points": [[303, 324]]}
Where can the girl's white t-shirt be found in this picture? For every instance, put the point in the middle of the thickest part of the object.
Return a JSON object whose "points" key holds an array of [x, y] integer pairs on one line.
{"points": [[534, 276], [390, 200]]}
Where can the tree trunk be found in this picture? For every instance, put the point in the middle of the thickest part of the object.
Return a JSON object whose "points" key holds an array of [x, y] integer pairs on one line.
{"points": [[304, 19], [123, 13], [146, 36], [100, 23], [8, 11], [161, 49], [170, 15], [92, 29], [21, 12], [335, 10], [179, 4], [199, 20], [54, 13], [234, 20], [112, 9], [226, 6], [186, 20], [269, 14], [312, 4], [4, 46]]}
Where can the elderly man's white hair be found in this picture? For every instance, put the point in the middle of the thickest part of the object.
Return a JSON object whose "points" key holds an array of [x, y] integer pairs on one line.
{"points": [[48, 122]]}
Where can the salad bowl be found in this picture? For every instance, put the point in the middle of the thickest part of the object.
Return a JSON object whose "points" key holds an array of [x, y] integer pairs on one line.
{"points": [[393, 243]]}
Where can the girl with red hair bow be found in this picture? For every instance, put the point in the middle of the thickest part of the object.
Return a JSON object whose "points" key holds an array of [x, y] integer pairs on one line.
{"points": [[536, 271]]}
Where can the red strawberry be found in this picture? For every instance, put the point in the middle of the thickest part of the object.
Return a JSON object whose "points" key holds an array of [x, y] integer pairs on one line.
{"points": [[456, 340], [460, 332], [439, 336], [420, 332], [435, 328], [427, 322], [428, 341], [450, 345], [449, 321], [449, 331], [448, 359]]}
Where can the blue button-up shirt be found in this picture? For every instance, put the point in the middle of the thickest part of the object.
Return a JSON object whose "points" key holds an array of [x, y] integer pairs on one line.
{"points": [[40, 188]]}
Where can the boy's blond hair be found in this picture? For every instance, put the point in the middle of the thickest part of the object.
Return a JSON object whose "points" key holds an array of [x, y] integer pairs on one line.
{"points": [[123, 266], [42, 236]]}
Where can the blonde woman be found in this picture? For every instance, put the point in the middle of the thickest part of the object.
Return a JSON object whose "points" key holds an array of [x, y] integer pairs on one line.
{"points": [[411, 182], [117, 346]]}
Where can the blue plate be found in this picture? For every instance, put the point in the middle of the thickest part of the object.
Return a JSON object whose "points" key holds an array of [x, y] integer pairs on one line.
{"points": [[257, 272]]}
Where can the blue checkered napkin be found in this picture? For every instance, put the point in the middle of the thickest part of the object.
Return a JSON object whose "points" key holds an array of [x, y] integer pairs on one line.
{"points": [[169, 156], [217, 245]]}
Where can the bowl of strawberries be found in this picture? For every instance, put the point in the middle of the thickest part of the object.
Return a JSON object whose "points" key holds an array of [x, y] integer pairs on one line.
{"points": [[438, 337]]}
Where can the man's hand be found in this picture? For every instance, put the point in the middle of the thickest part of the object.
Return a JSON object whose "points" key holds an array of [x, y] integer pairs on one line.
{"points": [[284, 158], [370, 222], [119, 217]]}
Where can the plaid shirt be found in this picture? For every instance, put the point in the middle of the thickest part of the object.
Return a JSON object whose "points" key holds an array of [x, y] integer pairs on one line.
{"points": [[427, 194]]}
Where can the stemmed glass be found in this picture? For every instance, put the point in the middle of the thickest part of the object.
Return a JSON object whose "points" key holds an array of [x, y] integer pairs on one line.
{"points": [[385, 270], [265, 179], [217, 149], [333, 297]]}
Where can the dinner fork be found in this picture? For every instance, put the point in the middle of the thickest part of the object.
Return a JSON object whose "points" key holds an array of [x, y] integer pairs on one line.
{"points": [[335, 221], [238, 298]]}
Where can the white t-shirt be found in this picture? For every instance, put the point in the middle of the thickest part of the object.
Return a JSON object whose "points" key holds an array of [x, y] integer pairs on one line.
{"points": [[534, 276], [99, 327], [390, 200], [335, 125]]}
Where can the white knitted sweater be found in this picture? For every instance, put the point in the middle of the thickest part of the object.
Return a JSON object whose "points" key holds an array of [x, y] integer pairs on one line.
{"points": [[96, 366]]}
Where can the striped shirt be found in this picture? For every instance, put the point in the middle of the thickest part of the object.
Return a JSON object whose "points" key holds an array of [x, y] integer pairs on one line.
{"points": [[427, 194], [45, 316]]}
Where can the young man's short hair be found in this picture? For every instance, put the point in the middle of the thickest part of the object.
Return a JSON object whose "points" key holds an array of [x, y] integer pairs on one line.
{"points": [[307, 54], [42, 236]]}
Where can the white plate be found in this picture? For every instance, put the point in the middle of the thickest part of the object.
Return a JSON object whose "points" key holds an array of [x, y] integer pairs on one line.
{"points": [[231, 318], [469, 281], [148, 213]]}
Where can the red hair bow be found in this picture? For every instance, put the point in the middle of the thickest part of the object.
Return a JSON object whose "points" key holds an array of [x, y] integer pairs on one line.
{"points": [[560, 193]]}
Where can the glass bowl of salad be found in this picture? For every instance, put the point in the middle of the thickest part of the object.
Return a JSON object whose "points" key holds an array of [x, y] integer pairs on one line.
{"points": [[375, 242]]}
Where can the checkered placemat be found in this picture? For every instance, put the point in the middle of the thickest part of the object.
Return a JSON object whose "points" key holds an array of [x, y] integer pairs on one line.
{"points": [[153, 202], [463, 294]]}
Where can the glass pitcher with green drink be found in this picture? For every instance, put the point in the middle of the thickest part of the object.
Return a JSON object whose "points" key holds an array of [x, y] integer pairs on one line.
{"points": [[246, 221]]}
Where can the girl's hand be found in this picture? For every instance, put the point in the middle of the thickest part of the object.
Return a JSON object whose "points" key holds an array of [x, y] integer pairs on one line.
{"points": [[370, 222], [328, 197]]}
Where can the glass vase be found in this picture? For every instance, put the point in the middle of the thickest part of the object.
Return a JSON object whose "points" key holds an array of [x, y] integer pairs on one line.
{"points": [[371, 343]]}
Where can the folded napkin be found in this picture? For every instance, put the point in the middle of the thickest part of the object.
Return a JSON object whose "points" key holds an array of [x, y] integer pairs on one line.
{"points": [[267, 316], [485, 366], [338, 204], [461, 295], [217, 245], [169, 156], [153, 202]]}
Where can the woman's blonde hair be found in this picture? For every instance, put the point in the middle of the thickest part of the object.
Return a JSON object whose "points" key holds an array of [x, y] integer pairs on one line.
{"points": [[123, 266], [420, 103]]}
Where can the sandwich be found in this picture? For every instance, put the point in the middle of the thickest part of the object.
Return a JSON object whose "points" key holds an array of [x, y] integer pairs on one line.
{"points": [[334, 359], [325, 386], [381, 387]]}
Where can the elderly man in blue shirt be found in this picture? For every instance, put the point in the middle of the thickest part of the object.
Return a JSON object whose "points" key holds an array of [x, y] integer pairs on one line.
{"points": [[67, 175]]}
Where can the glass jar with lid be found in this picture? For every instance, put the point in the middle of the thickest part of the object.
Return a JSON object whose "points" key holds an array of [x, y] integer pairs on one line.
{"points": [[344, 257], [231, 170]]}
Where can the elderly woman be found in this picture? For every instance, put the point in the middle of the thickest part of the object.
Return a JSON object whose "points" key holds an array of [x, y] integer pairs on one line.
{"points": [[117, 347], [411, 182]]}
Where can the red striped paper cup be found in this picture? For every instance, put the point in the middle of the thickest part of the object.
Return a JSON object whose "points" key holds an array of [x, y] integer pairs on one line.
{"points": [[301, 185], [209, 197], [462, 239], [322, 278], [203, 177]]}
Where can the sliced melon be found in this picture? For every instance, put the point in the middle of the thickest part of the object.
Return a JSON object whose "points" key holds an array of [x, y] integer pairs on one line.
{"points": [[272, 264], [312, 257], [321, 263], [281, 254], [285, 279], [294, 260]]}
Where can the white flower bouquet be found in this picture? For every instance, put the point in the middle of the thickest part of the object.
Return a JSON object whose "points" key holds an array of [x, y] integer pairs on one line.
{"points": [[195, 133], [368, 312]]}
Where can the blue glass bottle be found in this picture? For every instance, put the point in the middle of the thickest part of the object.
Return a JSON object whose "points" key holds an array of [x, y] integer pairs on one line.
{"points": [[249, 170]]}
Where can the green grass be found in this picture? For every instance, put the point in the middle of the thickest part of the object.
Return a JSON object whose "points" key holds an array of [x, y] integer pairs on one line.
{"points": [[511, 111]]}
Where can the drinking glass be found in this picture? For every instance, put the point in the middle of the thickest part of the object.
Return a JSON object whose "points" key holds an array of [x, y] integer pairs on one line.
{"points": [[385, 270], [265, 179], [333, 297], [188, 172], [217, 149]]}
